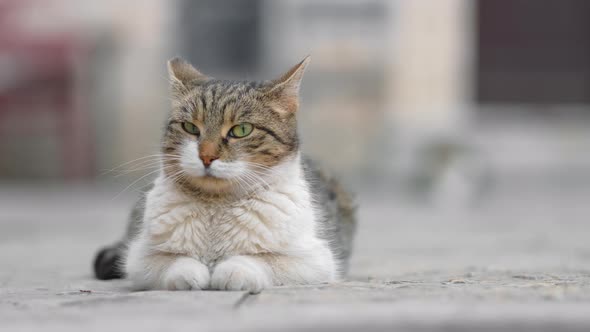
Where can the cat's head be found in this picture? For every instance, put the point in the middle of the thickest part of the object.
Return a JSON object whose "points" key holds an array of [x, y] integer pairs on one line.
{"points": [[224, 135]]}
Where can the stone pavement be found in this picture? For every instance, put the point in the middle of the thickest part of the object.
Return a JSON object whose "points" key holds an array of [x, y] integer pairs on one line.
{"points": [[520, 261]]}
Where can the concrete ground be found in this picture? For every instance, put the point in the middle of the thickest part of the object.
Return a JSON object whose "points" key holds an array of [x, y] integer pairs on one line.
{"points": [[518, 261]]}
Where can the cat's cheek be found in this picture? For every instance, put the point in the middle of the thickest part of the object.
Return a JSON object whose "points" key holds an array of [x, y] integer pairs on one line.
{"points": [[228, 170], [189, 160], [193, 171]]}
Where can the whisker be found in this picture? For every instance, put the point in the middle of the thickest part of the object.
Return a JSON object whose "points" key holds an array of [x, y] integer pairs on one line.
{"points": [[149, 165], [142, 159], [134, 182]]}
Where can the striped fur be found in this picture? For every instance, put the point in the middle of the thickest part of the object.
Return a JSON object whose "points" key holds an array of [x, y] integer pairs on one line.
{"points": [[258, 216]]}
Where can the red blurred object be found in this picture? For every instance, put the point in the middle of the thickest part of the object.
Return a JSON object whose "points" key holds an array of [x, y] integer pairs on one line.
{"points": [[44, 73]]}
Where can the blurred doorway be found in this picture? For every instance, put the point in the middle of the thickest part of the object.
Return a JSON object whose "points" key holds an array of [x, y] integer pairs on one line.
{"points": [[533, 51]]}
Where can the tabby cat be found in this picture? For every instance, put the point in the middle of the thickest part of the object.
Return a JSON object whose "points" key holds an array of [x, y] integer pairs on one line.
{"points": [[235, 206]]}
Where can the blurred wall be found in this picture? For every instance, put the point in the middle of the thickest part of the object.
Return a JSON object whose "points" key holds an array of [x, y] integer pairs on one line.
{"points": [[391, 93], [125, 84]]}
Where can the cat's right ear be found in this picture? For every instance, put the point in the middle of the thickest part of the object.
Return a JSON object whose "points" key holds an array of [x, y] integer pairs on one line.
{"points": [[182, 73]]}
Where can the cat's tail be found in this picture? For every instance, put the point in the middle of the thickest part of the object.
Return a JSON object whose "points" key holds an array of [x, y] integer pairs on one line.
{"points": [[107, 263]]}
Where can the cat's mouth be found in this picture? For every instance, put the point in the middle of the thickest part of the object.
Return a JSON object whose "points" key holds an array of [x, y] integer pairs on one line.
{"points": [[209, 174]]}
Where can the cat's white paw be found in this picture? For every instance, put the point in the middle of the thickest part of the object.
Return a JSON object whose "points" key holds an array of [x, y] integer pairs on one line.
{"points": [[241, 273], [185, 274]]}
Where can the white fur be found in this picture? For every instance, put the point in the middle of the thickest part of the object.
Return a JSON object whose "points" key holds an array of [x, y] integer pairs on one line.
{"points": [[241, 273], [262, 240], [193, 166], [189, 159], [186, 273]]}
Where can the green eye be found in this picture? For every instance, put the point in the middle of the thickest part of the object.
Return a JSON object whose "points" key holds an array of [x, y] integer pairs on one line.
{"points": [[241, 130], [190, 128]]}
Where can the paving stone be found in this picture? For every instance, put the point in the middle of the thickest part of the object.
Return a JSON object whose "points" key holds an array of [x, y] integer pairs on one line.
{"points": [[520, 263]]}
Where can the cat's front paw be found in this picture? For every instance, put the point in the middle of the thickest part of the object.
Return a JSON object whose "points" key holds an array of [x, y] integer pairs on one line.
{"points": [[241, 273], [185, 274]]}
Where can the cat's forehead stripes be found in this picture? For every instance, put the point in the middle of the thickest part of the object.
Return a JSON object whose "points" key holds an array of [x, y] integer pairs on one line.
{"points": [[217, 100], [217, 105]]}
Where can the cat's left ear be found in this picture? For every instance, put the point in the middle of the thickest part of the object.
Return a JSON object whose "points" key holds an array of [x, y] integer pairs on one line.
{"points": [[182, 73], [285, 90]]}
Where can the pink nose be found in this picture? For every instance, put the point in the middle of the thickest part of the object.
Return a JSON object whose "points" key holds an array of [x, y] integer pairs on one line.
{"points": [[208, 151], [207, 160]]}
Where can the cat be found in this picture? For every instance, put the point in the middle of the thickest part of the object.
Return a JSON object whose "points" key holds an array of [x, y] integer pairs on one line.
{"points": [[236, 206]]}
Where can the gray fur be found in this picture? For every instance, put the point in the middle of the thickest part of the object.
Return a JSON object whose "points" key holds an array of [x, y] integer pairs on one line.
{"points": [[338, 212]]}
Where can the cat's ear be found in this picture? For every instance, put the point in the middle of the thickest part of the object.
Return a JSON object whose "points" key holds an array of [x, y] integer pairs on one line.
{"points": [[182, 73], [285, 90]]}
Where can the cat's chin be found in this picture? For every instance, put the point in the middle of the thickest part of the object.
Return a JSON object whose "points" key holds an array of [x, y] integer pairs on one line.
{"points": [[212, 184]]}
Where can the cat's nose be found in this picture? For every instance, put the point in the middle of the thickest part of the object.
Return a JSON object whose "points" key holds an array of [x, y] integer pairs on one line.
{"points": [[208, 152], [207, 160]]}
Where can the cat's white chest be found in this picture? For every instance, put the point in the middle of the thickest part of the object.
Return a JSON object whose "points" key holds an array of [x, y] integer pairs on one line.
{"points": [[274, 221]]}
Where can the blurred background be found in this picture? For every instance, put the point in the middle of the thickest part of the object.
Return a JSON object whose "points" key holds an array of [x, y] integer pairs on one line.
{"points": [[444, 102], [463, 126]]}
